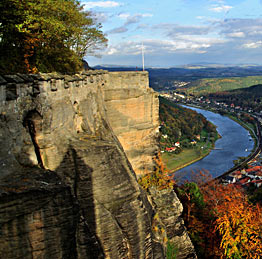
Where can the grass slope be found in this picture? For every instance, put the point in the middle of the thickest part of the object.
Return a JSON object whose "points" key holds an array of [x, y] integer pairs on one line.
{"points": [[213, 85]]}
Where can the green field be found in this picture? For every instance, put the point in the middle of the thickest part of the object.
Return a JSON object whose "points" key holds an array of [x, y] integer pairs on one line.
{"points": [[188, 156], [213, 85]]}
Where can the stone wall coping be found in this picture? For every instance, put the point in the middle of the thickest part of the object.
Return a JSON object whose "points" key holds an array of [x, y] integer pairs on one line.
{"points": [[20, 85]]}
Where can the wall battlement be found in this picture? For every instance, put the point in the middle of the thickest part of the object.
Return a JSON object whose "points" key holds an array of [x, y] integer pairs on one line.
{"points": [[17, 86]]}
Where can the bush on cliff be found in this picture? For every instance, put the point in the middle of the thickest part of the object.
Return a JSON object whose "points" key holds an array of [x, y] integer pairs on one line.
{"points": [[159, 178]]}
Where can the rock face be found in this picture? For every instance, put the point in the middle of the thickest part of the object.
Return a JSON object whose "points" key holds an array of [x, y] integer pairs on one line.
{"points": [[168, 216], [67, 188], [132, 109]]}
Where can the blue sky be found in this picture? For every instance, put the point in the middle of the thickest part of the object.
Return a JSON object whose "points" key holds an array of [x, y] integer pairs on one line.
{"points": [[178, 32]]}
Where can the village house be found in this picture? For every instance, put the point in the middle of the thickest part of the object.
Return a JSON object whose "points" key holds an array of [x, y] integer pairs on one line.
{"points": [[170, 149], [257, 183]]}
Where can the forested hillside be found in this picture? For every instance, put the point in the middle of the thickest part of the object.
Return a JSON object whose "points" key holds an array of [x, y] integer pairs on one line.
{"points": [[182, 124], [250, 97]]}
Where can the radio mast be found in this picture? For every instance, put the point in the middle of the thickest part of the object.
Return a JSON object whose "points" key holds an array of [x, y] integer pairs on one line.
{"points": [[143, 57]]}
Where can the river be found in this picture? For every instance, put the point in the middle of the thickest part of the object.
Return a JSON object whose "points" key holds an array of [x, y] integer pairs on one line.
{"points": [[233, 144]]}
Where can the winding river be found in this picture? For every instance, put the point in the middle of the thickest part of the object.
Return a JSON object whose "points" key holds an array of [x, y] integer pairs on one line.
{"points": [[235, 143]]}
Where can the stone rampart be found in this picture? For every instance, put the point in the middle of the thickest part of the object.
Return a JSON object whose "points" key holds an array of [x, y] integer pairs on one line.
{"points": [[67, 189]]}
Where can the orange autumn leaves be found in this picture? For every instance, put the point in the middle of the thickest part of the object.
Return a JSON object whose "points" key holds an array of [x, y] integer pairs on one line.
{"points": [[239, 225], [222, 223], [227, 226], [159, 178]]}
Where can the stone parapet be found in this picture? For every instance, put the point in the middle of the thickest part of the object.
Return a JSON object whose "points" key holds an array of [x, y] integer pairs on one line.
{"points": [[16, 86]]}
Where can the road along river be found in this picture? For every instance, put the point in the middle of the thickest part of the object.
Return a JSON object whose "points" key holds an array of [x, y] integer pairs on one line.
{"points": [[235, 143]]}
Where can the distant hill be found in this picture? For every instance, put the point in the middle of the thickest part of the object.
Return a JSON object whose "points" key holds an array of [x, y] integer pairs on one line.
{"points": [[163, 79], [247, 98], [252, 91], [208, 85]]}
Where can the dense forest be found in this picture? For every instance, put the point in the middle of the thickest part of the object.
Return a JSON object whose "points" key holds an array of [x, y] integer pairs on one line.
{"points": [[221, 219], [250, 97], [179, 124]]}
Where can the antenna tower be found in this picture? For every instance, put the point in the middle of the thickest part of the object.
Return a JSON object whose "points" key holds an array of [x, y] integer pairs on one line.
{"points": [[143, 57]]}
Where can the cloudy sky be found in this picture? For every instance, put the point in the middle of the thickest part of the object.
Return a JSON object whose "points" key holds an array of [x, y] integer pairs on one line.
{"points": [[178, 32]]}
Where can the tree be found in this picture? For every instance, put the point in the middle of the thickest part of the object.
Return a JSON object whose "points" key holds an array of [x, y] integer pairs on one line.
{"points": [[237, 221], [222, 223], [47, 35], [192, 198], [11, 40]]}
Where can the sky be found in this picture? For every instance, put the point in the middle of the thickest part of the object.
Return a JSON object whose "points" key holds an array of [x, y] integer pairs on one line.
{"points": [[178, 32]]}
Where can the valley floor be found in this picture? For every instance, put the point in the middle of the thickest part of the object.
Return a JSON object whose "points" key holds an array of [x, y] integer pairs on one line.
{"points": [[187, 157]]}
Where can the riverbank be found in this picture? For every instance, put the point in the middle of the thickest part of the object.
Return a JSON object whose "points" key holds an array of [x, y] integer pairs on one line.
{"points": [[234, 144], [184, 162], [250, 127], [189, 156]]}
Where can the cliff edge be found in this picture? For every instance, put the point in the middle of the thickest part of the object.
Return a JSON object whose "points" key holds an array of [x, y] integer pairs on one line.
{"points": [[67, 188], [132, 109]]}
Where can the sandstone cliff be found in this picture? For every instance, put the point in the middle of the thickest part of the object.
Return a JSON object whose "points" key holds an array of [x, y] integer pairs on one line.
{"points": [[67, 189], [132, 109]]}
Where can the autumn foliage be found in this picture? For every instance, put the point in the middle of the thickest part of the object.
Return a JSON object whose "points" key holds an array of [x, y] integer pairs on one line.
{"points": [[225, 224], [159, 177]]}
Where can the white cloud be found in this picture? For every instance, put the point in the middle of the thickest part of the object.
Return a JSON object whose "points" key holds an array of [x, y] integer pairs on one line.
{"points": [[129, 19], [221, 8], [100, 17], [253, 45], [173, 30], [154, 47], [102, 4], [239, 34], [245, 29], [202, 40], [124, 15], [201, 17], [111, 51], [128, 48]]}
